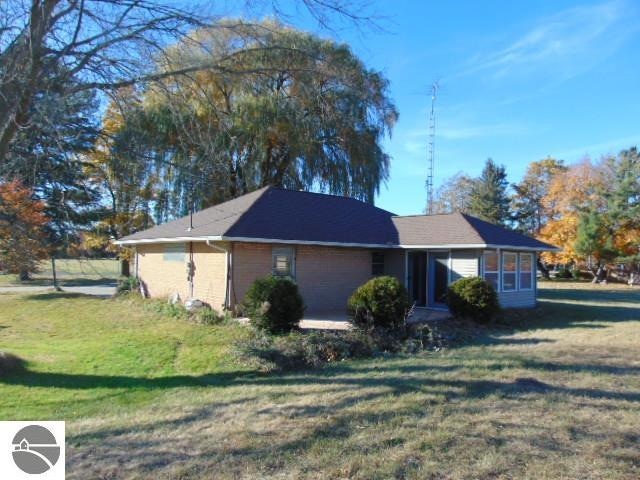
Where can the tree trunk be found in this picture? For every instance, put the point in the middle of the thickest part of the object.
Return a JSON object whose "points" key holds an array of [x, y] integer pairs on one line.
{"points": [[24, 276], [124, 268], [543, 269], [53, 273], [25, 59]]}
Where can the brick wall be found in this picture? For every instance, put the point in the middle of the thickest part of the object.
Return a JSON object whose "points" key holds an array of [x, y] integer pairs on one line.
{"points": [[250, 262], [326, 276], [164, 278], [160, 277], [394, 264], [209, 280]]}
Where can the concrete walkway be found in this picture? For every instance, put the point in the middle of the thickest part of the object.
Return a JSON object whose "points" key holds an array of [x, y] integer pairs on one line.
{"points": [[339, 320]]}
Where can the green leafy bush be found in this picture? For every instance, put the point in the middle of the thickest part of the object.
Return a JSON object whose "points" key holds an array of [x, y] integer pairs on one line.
{"points": [[208, 316], [164, 308], [273, 304], [473, 298], [564, 273], [127, 285], [382, 302]]}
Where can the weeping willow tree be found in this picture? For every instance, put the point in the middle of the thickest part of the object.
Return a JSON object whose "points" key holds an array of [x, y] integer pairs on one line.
{"points": [[283, 107]]}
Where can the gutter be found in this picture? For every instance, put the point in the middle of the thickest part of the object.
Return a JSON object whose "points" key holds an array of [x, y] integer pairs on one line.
{"points": [[222, 238]]}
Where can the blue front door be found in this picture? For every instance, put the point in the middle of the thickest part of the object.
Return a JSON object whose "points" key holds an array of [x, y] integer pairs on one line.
{"points": [[438, 278]]}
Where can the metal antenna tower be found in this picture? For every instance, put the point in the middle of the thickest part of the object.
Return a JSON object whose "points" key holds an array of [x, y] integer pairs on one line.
{"points": [[432, 144]]}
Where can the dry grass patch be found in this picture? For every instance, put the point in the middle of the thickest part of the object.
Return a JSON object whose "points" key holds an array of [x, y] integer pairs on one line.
{"points": [[559, 399]]}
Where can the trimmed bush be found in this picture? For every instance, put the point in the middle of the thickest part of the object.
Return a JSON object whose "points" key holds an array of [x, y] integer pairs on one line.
{"points": [[473, 298], [382, 302], [564, 273], [273, 304]]}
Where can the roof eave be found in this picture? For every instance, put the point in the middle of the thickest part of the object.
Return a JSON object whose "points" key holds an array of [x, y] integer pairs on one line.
{"points": [[141, 241]]}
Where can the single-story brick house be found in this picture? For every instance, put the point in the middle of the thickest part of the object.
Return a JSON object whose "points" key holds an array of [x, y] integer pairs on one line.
{"points": [[330, 245]]}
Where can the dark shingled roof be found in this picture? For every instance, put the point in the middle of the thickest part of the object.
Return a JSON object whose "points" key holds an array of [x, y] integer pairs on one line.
{"points": [[289, 215], [459, 229], [210, 222]]}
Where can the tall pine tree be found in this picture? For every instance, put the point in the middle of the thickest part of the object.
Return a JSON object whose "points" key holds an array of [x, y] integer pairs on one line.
{"points": [[489, 198]]}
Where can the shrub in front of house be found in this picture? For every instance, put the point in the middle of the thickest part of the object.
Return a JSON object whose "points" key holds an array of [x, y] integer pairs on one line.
{"points": [[473, 298], [303, 350], [127, 285], [382, 302], [313, 349], [208, 316], [273, 304]]}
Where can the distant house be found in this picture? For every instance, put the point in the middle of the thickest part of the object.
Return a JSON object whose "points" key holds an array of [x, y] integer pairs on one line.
{"points": [[330, 245]]}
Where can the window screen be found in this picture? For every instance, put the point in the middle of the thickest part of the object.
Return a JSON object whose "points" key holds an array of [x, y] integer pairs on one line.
{"points": [[491, 268], [526, 271], [509, 269], [282, 261]]}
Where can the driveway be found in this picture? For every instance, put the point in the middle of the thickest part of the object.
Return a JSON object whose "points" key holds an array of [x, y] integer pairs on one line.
{"points": [[102, 290]]}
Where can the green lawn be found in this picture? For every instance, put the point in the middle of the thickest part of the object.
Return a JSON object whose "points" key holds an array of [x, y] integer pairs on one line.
{"points": [[70, 272], [150, 397]]}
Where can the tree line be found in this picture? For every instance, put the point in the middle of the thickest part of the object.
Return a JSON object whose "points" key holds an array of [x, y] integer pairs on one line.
{"points": [[589, 209], [116, 115], [119, 114]]}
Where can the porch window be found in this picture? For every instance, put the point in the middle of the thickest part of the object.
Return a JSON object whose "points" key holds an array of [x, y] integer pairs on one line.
{"points": [[526, 271], [491, 268], [174, 252], [377, 263], [509, 270], [282, 261]]}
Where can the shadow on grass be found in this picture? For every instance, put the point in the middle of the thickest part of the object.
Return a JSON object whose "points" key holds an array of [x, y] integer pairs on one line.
{"points": [[58, 296], [81, 382], [333, 418], [398, 380], [88, 282], [64, 282], [595, 294]]}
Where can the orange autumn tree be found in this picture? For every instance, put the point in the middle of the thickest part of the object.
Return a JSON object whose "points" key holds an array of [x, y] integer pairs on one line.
{"points": [[22, 238], [572, 193]]}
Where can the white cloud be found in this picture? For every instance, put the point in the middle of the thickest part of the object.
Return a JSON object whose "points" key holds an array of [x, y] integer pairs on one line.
{"points": [[595, 150], [562, 45], [460, 131]]}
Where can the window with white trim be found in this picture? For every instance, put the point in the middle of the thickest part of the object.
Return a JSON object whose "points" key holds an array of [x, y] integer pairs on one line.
{"points": [[491, 268], [526, 271], [283, 261], [509, 271], [174, 252]]}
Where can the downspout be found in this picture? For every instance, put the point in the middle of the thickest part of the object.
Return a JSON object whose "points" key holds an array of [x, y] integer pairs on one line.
{"points": [[135, 259], [227, 264], [499, 252], [191, 269]]}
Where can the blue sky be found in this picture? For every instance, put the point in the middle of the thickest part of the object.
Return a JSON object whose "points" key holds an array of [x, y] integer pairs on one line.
{"points": [[519, 81]]}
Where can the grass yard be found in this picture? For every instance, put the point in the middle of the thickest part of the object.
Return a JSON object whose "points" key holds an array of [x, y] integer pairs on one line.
{"points": [[151, 397], [70, 272]]}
